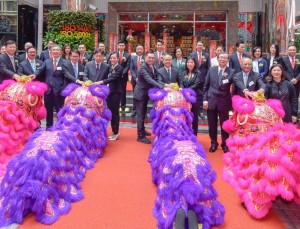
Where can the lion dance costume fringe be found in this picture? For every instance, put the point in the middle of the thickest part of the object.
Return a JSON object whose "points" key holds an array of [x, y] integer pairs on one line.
{"points": [[180, 169], [264, 158], [21, 108], [44, 178]]}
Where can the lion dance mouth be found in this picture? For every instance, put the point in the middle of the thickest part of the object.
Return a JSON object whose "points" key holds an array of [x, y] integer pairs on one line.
{"points": [[44, 178], [180, 169]]}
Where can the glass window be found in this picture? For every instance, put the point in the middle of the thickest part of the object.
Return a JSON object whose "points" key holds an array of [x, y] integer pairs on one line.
{"points": [[133, 17], [210, 16], [171, 17]]}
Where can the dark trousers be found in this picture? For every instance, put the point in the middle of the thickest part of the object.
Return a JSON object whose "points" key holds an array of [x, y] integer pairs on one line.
{"points": [[141, 109], [297, 88], [212, 118], [123, 92], [113, 103], [195, 110], [133, 103], [52, 101]]}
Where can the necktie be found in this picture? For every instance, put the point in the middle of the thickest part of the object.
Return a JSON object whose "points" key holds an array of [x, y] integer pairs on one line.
{"points": [[139, 63], [245, 80], [33, 65], [158, 58], [178, 63], [81, 58], [240, 58], [121, 57], [220, 76], [75, 70], [293, 62], [54, 64], [50, 55], [152, 68], [97, 69], [200, 59], [13, 63], [169, 73]]}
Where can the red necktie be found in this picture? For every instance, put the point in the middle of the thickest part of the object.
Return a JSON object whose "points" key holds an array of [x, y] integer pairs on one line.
{"points": [[240, 58], [54, 64], [50, 55], [293, 62], [139, 63], [158, 58], [121, 57], [200, 59]]}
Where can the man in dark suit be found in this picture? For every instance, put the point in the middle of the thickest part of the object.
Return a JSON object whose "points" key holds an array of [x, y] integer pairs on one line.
{"points": [[291, 67], [203, 64], [23, 56], [247, 81], [159, 54], [147, 78], [106, 55], [124, 61], [84, 56], [55, 82], [32, 66], [217, 99], [135, 65], [235, 59], [96, 70], [47, 53], [168, 74], [9, 62], [73, 70]]}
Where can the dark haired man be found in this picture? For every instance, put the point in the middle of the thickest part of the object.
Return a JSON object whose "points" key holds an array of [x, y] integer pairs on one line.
{"points": [[84, 56], [159, 54], [23, 56], [235, 60], [47, 54]]}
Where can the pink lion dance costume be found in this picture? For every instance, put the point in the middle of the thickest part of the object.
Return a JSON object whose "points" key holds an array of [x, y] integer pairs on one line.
{"points": [[180, 169], [264, 158], [44, 178], [21, 108]]}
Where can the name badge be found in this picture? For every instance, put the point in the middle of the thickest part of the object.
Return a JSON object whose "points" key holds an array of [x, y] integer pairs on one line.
{"points": [[251, 83], [58, 68], [261, 64], [225, 81], [81, 73]]}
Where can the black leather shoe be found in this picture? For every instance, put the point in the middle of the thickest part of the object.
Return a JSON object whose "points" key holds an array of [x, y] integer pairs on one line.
{"points": [[225, 149], [144, 140], [213, 148], [133, 114], [147, 133]]}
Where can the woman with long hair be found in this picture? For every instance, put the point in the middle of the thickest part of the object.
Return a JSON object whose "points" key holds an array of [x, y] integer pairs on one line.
{"points": [[66, 51], [273, 57]]}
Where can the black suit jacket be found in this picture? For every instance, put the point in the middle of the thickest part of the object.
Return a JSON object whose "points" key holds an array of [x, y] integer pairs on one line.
{"points": [[205, 64], [86, 58], [69, 73], [277, 60], [6, 68], [146, 80], [254, 83], [160, 64], [125, 64], [291, 73], [196, 82], [217, 92], [25, 68], [45, 55], [165, 77], [114, 78], [234, 62], [54, 79], [90, 71], [134, 66]]}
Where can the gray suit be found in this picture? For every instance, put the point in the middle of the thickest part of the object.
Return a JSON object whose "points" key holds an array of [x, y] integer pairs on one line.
{"points": [[25, 68], [90, 72], [163, 74]]}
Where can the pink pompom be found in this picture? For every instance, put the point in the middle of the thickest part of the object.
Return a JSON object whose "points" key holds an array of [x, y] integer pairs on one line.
{"points": [[37, 88], [5, 84], [228, 126], [277, 106], [41, 113], [242, 105]]}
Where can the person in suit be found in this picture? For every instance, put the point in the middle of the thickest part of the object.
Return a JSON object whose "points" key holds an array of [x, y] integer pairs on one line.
{"points": [[203, 64], [217, 100], [273, 57], [2, 51], [179, 62], [193, 79], [113, 100], [214, 61], [246, 81], [84, 56], [47, 54], [291, 67], [235, 59], [23, 56], [159, 54], [96, 70], [31, 65], [124, 61], [9, 62], [55, 82], [135, 65], [167, 73], [260, 65], [73, 70], [147, 78], [106, 55]]}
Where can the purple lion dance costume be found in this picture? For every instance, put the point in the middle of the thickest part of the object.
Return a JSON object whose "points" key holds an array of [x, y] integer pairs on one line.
{"points": [[44, 178], [180, 169], [21, 108], [264, 158]]}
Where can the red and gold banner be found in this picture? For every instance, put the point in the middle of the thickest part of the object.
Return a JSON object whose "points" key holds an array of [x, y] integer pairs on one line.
{"points": [[96, 44], [212, 48], [165, 39], [147, 41], [194, 42], [115, 42], [111, 42]]}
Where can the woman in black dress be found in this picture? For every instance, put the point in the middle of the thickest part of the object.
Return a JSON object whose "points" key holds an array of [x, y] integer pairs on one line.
{"points": [[192, 79], [273, 57], [279, 88]]}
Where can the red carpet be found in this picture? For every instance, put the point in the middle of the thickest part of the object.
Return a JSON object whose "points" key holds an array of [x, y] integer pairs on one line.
{"points": [[119, 193]]}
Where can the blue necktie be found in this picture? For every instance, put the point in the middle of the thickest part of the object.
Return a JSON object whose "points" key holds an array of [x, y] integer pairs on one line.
{"points": [[33, 65], [75, 70]]}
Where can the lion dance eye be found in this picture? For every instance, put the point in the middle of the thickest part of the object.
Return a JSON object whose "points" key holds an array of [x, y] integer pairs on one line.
{"points": [[32, 101], [99, 101]]}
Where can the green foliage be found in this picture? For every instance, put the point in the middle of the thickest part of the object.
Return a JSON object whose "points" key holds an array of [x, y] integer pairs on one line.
{"points": [[297, 43], [58, 18]]}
